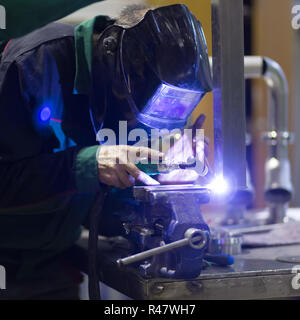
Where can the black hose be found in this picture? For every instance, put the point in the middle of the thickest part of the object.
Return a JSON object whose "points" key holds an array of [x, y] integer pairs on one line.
{"points": [[95, 212]]}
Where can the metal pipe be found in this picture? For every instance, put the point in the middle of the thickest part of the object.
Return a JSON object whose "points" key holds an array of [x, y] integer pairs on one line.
{"points": [[254, 67], [278, 182]]}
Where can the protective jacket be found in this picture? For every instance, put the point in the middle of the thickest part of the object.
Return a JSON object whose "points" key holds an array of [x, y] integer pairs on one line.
{"points": [[48, 167]]}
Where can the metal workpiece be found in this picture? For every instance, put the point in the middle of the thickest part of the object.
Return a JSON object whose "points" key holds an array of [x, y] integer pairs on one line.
{"points": [[230, 68], [164, 193], [278, 181], [229, 90]]}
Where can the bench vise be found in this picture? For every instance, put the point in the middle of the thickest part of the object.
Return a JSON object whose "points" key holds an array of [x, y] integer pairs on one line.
{"points": [[167, 231]]}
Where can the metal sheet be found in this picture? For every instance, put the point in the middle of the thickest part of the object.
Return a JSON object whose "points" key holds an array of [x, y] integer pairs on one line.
{"points": [[149, 193], [229, 90]]}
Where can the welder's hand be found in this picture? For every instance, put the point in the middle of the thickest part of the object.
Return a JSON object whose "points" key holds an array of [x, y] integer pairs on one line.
{"points": [[116, 165]]}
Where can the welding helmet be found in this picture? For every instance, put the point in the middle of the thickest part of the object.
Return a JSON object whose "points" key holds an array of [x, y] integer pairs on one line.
{"points": [[156, 71]]}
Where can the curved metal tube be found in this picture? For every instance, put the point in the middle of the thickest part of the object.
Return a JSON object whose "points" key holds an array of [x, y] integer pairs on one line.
{"points": [[278, 182], [278, 96]]}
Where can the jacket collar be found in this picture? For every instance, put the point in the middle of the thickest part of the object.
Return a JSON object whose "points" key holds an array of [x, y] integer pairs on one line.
{"points": [[84, 49]]}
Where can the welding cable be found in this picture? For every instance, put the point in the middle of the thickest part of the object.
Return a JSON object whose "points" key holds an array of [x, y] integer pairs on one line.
{"points": [[95, 212], [94, 215]]}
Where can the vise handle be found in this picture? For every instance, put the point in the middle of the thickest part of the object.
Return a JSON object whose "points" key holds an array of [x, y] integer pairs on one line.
{"points": [[195, 238]]}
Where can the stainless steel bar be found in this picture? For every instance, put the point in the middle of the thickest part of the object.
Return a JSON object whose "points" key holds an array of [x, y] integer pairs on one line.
{"points": [[152, 252], [229, 90], [194, 238]]}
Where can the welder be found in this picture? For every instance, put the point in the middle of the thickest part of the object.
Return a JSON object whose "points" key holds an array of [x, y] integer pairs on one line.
{"points": [[59, 85]]}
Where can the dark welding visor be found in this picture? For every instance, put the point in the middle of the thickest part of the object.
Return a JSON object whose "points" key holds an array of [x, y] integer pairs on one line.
{"points": [[159, 66]]}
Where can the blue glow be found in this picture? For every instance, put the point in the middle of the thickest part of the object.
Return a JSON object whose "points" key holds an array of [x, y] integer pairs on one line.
{"points": [[219, 186], [172, 103], [45, 114]]}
